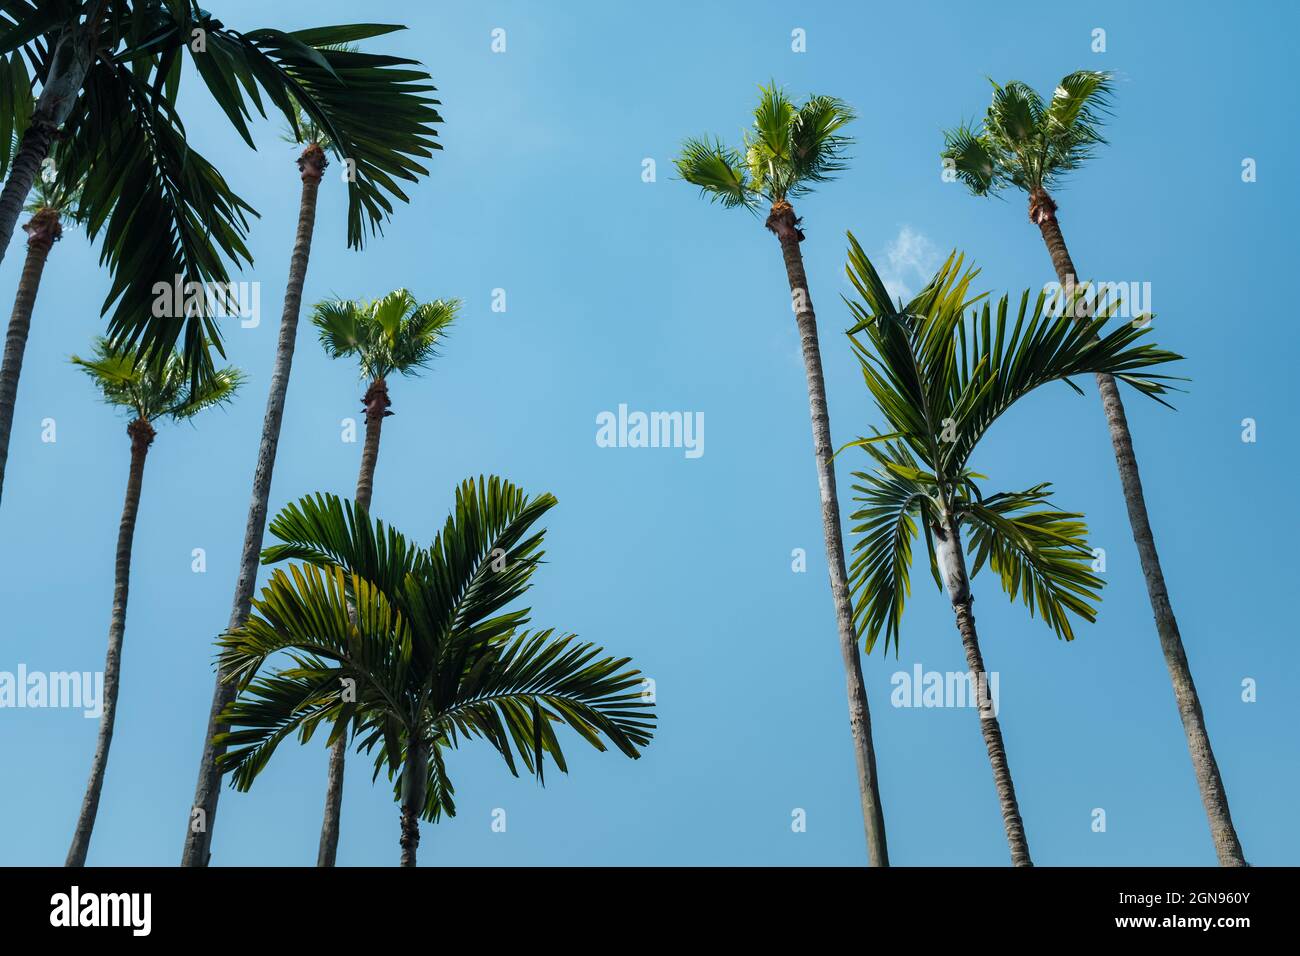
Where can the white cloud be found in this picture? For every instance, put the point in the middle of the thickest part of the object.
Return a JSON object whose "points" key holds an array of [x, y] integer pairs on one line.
{"points": [[912, 261]]}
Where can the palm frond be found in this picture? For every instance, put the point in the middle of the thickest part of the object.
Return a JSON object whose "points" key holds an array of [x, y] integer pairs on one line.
{"points": [[267, 712], [975, 160], [161, 210], [372, 109], [340, 621], [817, 143], [1073, 121], [395, 333], [155, 388], [895, 504], [339, 326], [113, 373], [16, 100], [216, 390], [484, 557], [326, 530], [418, 337], [718, 170], [773, 117], [1039, 553], [942, 375], [511, 694]]}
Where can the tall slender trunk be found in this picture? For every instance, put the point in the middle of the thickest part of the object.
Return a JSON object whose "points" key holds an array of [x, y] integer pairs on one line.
{"points": [[952, 563], [42, 232], [69, 63], [414, 776], [783, 222], [376, 403], [198, 832], [1042, 212], [142, 435]]}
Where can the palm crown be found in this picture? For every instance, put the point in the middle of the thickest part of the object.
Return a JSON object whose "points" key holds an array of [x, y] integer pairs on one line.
{"points": [[435, 657], [395, 333], [155, 389], [53, 192], [785, 154], [1025, 143], [302, 127], [941, 378]]}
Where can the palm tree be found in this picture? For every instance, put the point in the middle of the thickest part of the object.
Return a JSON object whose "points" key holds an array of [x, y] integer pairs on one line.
{"points": [[1031, 145], [375, 88], [395, 334], [148, 391], [789, 151], [410, 651], [67, 37], [54, 202], [941, 380], [109, 74]]}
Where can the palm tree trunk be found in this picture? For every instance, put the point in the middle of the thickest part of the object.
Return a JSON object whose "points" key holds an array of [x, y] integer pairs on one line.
{"points": [[414, 776], [1213, 795], [198, 832], [376, 402], [952, 563], [69, 63], [782, 221], [32, 150], [42, 232], [142, 434]]}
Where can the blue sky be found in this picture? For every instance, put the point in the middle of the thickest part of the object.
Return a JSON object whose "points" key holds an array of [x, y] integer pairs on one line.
{"points": [[622, 291]]}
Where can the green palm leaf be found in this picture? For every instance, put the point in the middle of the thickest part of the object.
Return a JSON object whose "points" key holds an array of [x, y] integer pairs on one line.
{"points": [[1025, 143], [718, 170], [786, 153], [893, 509], [395, 333], [426, 641], [942, 374], [161, 209], [1040, 554], [153, 389]]}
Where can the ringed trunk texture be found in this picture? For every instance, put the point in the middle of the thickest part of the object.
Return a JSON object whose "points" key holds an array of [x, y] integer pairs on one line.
{"points": [[376, 402], [783, 222], [202, 818], [69, 63], [42, 232], [413, 783], [953, 565], [410, 839], [1214, 796], [142, 435]]}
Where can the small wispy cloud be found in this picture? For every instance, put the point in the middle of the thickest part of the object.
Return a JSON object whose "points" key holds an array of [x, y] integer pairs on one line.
{"points": [[910, 262]]}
